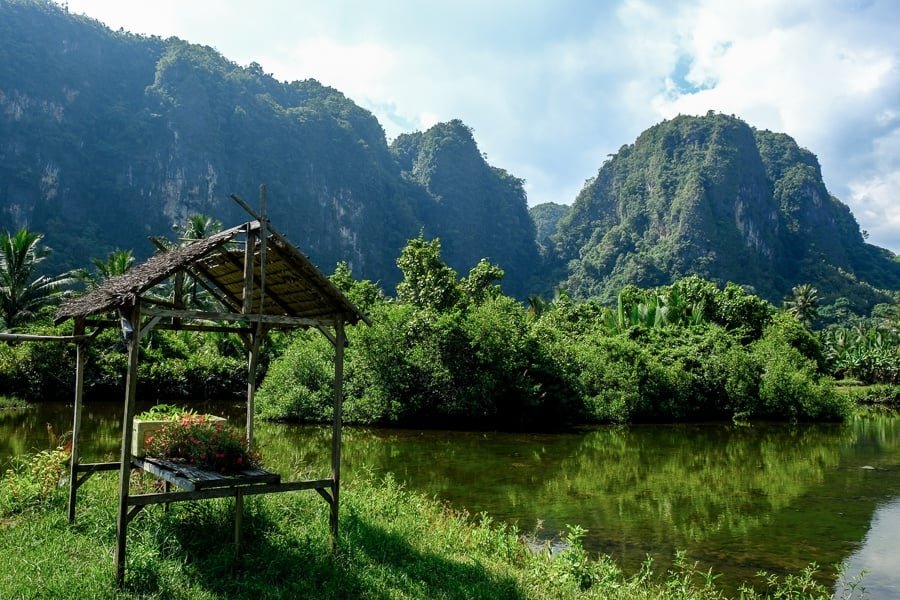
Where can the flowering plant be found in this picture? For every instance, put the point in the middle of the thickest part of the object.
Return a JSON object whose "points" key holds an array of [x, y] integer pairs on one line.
{"points": [[203, 442]]}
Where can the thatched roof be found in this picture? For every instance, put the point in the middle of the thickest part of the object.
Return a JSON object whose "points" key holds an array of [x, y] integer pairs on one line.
{"points": [[294, 287]]}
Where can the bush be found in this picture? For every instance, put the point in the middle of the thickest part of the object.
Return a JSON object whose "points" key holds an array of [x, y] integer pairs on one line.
{"points": [[299, 384], [32, 481], [790, 386]]}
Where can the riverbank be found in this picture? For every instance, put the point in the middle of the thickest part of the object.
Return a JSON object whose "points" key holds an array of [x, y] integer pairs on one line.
{"points": [[883, 397], [393, 544]]}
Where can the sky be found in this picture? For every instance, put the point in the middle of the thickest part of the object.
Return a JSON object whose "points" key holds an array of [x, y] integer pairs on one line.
{"points": [[552, 87]]}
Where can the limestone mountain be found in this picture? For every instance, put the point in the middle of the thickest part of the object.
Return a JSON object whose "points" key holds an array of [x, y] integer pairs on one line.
{"points": [[476, 206], [713, 196], [107, 137]]}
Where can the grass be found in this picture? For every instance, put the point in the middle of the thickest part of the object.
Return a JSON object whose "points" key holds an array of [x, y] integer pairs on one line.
{"points": [[11, 402], [393, 544]]}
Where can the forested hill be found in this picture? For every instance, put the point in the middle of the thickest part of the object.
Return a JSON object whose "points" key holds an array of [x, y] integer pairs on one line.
{"points": [[107, 137], [713, 196]]}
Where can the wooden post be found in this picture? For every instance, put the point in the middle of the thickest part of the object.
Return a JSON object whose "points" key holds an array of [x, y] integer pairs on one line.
{"points": [[252, 366], [263, 238], [249, 259], [253, 352], [80, 359], [238, 521], [336, 426], [133, 341]]}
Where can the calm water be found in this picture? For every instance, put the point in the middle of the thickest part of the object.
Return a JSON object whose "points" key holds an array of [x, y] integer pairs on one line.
{"points": [[737, 498]]}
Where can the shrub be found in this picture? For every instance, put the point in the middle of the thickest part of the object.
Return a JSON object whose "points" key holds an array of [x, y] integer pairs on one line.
{"points": [[299, 383], [790, 386], [31, 482]]}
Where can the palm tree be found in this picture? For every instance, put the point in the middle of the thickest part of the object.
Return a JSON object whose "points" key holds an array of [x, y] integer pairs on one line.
{"points": [[22, 293], [197, 227], [804, 305], [117, 262]]}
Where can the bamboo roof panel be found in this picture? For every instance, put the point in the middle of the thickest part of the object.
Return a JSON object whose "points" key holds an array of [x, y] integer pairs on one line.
{"points": [[294, 287]]}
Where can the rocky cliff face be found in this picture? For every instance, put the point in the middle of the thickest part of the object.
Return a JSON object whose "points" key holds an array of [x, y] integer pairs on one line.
{"points": [[711, 195]]}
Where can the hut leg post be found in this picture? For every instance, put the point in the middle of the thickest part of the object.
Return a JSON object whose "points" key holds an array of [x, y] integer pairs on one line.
{"points": [[80, 358], [134, 343], [252, 367], [336, 428], [238, 521]]}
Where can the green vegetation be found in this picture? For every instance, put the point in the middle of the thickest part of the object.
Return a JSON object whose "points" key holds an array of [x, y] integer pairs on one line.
{"points": [[452, 351], [11, 402], [22, 291], [32, 481], [393, 544], [865, 349]]}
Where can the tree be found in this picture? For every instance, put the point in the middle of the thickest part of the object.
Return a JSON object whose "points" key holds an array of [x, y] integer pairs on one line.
{"points": [[804, 305], [197, 227], [363, 293], [116, 263], [427, 280], [481, 282], [22, 292]]}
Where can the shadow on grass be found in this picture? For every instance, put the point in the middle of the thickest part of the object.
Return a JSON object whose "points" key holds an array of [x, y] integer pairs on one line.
{"points": [[289, 555]]}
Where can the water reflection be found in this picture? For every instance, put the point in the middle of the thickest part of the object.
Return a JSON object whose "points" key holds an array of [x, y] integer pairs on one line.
{"points": [[878, 554], [737, 499]]}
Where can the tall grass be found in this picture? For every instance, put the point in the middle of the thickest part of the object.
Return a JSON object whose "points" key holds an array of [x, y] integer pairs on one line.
{"points": [[11, 402], [393, 544]]}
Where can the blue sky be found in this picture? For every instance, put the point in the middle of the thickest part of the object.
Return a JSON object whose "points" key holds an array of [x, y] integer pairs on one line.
{"points": [[552, 87]]}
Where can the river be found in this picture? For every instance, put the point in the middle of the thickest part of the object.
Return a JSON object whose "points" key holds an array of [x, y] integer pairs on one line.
{"points": [[736, 498]]}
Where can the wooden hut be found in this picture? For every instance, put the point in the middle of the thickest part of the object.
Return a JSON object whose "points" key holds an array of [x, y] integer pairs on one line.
{"points": [[260, 282]]}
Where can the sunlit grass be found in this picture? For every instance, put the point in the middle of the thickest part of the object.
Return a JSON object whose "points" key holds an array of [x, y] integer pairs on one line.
{"points": [[393, 544]]}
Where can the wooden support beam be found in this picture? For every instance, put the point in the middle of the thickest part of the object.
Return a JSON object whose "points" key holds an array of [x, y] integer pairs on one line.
{"points": [[88, 469], [336, 428], [150, 325], [27, 337], [328, 335], [324, 493], [228, 492], [133, 512], [249, 260], [223, 295], [251, 318], [263, 242], [80, 360], [252, 366], [238, 520], [291, 255], [257, 280], [134, 344], [208, 328], [218, 292]]}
